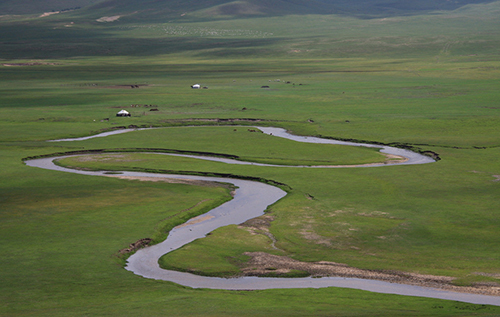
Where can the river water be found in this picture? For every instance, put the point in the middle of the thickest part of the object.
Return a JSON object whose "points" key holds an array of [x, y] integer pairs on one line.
{"points": [[251, 200]]}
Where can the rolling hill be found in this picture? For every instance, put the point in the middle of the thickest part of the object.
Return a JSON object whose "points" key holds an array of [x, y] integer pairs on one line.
{"points": [[19, 7], [217, 9]]}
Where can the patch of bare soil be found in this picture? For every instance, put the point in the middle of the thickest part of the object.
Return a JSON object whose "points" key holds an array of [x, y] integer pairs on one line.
{"points": [[101, 158], [28, 64], [391, 158], [170, 180], [139, 244], [109, 19], [264, 263], [46, 14], [260, 225], [196, 220]]}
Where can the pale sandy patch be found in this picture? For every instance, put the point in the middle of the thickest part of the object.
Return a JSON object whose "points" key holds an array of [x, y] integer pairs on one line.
{"points": [[167, 180], [196, 220], [263, 263], [395, 158], [46, 14], [391, 159], [109, 19]]}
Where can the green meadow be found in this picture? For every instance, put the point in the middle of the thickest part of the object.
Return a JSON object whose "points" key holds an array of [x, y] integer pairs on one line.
{"points": [[429, 82]]}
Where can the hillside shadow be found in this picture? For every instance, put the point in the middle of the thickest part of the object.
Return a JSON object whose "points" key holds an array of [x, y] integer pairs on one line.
{"points": [[34, 42], [219, 10], [369, 9]]}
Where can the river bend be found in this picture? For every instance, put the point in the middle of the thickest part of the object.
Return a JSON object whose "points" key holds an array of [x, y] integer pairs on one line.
{"points": [[251, 200]]}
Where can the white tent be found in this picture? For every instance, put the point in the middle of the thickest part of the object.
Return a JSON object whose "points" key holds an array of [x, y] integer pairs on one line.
{"points": [[123, 113]]}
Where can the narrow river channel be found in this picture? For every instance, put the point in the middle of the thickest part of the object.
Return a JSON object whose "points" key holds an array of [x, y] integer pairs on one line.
{"points": [[251, 200]]}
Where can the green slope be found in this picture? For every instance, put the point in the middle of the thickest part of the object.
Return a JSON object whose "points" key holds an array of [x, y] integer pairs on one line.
{"points": [[37, 6], [78, 33], [216, 9]]}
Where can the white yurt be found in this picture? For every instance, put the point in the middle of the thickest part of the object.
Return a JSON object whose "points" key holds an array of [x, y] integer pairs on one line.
{"points": [[123, 113]]}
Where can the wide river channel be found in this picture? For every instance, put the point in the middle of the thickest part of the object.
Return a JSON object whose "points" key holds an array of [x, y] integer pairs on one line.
{"points": [[251, 200]]}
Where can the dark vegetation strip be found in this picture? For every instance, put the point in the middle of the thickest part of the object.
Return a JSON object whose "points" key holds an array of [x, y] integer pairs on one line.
{"points": [[153, 150], [283, 186], [120, 150]]}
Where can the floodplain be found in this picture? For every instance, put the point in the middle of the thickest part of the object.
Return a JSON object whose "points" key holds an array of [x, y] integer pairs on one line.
{"points": [[429, 83]]}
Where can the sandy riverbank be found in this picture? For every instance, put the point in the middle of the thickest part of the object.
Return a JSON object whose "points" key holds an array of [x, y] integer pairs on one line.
{"points": [[263, 263]]}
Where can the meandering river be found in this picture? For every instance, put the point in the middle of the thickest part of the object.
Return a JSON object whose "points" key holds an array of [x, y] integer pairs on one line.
{"points": [[250, 201]]}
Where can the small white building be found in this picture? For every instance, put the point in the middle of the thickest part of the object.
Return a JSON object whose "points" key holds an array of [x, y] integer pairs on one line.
{"points": [[123, 113], [196, 86]]}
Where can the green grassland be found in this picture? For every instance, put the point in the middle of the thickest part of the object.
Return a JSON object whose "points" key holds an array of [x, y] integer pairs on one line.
{"points": [[426, 81], [238, 141], [432, 219]]}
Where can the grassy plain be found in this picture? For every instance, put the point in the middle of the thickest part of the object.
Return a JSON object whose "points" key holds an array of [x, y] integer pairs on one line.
{"points": [[428, 81], [424, 219]]}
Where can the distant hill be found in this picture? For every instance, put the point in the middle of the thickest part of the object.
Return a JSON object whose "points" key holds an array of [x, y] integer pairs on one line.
{"points": [[217, 9], [41, 6], [397, 7], [156, 10], [222, 28]]}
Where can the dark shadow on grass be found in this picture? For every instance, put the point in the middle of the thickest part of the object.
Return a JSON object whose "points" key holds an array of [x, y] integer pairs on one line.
{"points": [[180, 11], [35, 42], [155, 11]]}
